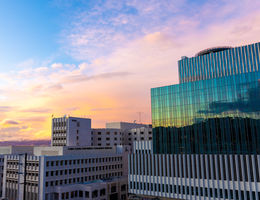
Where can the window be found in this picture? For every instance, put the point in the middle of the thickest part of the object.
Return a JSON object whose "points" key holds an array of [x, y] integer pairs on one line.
{"points": [[94, 194], [102, 192], [99, 138], [80, 193], [113, 189], [123, 187], [86, 194]]}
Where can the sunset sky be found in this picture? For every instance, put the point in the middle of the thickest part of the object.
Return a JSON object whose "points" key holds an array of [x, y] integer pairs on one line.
{"points": [[99, 59]]}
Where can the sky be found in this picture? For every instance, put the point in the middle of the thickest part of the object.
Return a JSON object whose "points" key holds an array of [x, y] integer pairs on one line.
{"points": [[99, 59]]}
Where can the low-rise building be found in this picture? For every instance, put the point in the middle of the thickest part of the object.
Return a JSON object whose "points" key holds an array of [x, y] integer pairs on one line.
{"points": [[106, 137], [45, 175], [102, 189], [137, 134]]}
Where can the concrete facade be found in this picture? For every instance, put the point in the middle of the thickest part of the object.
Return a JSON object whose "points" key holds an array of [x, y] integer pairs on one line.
{"points": [[176, 176], [106, 137], [71, 131], [137, 134], [46, 175]]}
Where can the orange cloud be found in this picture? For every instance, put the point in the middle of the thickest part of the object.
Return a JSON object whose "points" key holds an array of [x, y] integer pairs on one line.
{"points": [[115, 86]]}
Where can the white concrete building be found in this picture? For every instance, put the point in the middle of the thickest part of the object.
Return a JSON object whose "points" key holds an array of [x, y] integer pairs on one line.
{"points": [[71, 131], [82, 163], [192, 176], [16, 150], [137, 134], [124, 125], [1, 173], [54, 170], [107, 189], [106, 137]]}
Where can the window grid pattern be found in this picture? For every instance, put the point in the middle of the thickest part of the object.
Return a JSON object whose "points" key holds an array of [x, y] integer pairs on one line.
{"points": [[186, 176], [233, 61]]}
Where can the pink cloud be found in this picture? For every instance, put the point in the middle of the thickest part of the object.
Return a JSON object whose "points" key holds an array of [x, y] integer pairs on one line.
{"points": [[115, 85]]}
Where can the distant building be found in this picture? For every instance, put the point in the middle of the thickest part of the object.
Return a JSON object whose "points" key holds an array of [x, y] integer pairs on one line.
{"points": [[106, 137], [81, 163], [72, 168], [137, 134], [71, 131], [16, 150], [124, 125]]}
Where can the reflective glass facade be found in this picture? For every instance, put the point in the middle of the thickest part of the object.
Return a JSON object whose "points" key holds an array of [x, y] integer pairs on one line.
{"points": [[215, 108], [232, 61]]}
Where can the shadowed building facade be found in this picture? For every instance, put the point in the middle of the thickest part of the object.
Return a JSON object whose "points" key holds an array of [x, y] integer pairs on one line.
{"points": [[206, 130]]}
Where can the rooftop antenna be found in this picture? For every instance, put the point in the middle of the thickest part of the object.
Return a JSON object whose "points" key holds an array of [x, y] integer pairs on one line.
{"points": [[140, 117]]}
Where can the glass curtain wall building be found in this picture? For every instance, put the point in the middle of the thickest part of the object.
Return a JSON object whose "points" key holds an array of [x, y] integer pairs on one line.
{"points": [[206, 130], [216, 111]]}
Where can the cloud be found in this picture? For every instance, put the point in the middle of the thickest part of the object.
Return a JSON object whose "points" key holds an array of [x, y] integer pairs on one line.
{"points": [[71, 109], [27, 63], [8, 133], [5, 108], [57, 65], [121, 50], [9, 122], [99, 28], [34, 119], [82, 77], [37, 110], [55, 87], [104, 26]]}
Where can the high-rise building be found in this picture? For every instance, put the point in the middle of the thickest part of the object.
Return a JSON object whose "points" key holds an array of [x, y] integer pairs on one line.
{"points": [[206, 130]]}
